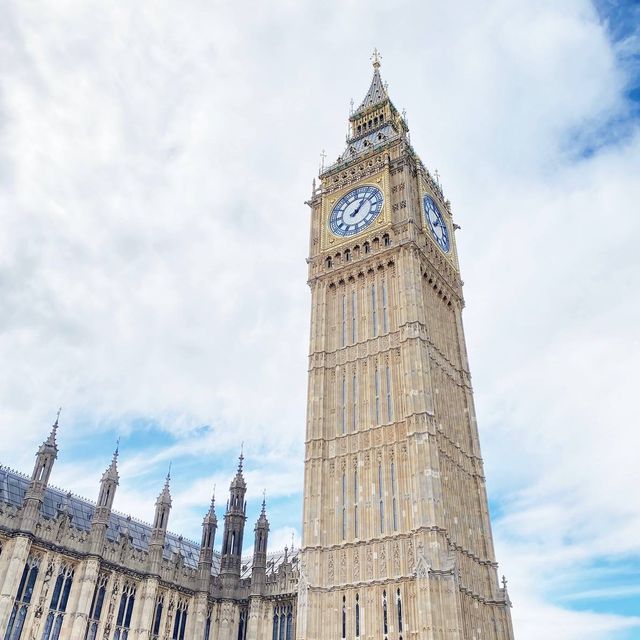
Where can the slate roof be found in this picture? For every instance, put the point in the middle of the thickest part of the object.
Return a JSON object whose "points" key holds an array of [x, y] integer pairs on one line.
{"points": [[14, 485], [376, 94]]}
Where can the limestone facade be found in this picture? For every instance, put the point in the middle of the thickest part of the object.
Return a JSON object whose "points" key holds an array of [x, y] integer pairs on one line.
{"points": [[396, 534], [71, 569]]}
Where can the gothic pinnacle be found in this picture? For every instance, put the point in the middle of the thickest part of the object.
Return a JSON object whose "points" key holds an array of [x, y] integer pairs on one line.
{"points": [[51, 440]]}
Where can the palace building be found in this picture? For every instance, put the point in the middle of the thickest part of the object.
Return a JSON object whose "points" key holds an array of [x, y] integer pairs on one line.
{"points": [[396, 537]]}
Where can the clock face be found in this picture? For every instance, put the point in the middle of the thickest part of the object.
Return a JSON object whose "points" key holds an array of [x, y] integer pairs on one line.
{"points": [[436, 222], [356, 210]]}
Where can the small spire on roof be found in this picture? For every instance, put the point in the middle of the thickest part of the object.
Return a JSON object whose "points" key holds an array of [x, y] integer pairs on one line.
{"points": [[112, 470], [51, 440], [377, 92], [241, 458], [264, 502]]}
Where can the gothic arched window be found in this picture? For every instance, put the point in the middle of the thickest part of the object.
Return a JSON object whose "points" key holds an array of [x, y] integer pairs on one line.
{"points": [[96, 607], [123, 621], [344, 617], [385, 623], [23, 599]]}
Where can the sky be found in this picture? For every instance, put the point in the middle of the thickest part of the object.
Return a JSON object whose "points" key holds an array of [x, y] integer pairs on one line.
{"points": [[154, 162]]}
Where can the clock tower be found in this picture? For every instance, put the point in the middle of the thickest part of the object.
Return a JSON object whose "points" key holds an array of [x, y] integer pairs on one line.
{"points": [[396, 533]]}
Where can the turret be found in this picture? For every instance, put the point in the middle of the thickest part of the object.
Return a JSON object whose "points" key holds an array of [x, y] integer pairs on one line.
{"points": [[234, 520], [259, 567], [159, 531], [100, 520], [209, 527], [45, 457]]}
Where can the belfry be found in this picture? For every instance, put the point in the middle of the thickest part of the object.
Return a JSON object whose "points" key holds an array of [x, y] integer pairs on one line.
{"points": [[396, 534]]}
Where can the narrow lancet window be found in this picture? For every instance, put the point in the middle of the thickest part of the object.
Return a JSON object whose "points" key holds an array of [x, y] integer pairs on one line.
{"points": [[354, 317], [385, 313], [393, 492], [58, 605], [354, 403], [374, 311], [96, 607], [389, 398], [399, 606], [355, 503], [343, 333], [344, 506], [157, 617], [123, 620], [385, 622], [23, 599], [357, 615], [376, 376], [380, 498], [344, 404]]}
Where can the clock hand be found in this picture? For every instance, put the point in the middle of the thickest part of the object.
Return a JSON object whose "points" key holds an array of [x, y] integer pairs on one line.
{"points": [[355, 213]]}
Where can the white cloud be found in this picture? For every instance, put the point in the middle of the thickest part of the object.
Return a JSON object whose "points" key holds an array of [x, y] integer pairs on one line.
{"points": [[153, 167]]}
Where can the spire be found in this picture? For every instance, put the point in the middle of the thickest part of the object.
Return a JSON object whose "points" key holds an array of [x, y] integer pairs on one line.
{"points": [[377, 90], [262, 518], [165, 494], [111, 472], [238, 481], [211, 514], [50, 442]]}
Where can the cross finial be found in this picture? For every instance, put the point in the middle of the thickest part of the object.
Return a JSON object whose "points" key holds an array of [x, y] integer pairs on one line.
{"points": [[55, 424], [323, 155], [117, 451], [504, 582], [375, 59], [168, 473]]}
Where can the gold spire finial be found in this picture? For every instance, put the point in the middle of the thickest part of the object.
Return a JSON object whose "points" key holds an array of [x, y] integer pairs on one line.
{"points": [[375, 58]]}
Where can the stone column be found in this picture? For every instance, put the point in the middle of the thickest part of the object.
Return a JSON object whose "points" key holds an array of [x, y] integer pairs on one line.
{"points": [[84, 586], [198, 620], [145, 607], [228, 622], [15, 555], [253, 618]]}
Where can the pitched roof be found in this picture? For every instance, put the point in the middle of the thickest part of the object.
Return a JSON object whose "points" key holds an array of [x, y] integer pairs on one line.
{"points": [[376, 94]]}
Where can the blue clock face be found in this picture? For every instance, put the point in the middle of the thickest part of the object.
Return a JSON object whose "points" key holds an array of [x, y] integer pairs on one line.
{"points": [[436, 222], [356, 210]]}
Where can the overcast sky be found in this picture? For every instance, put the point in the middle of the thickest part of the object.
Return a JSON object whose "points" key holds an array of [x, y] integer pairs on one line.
{"points": [[154, 162]]}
